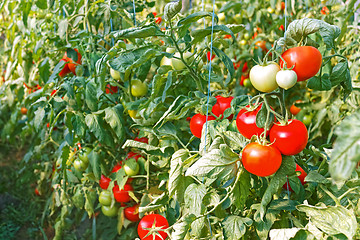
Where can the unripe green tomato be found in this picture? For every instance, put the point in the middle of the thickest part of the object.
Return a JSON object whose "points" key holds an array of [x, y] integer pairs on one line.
{"points": [[131, 170], [270, 10], [221, 16], [247, 83], [110, 211], [133, 114], [246, 36], [243, 42], [115, 74], [138, 88], [307, 119], [165, 61], [84, 152], [105, 198], [80, 165], [178, 64]]}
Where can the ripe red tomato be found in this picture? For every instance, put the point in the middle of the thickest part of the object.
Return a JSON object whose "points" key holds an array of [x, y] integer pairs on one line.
{"points": [[245, 67], [325, 10], [150, 221], [261, 44], [261, 160], [53, 92], [136, 156], [197, 122], [104, 182], [117, 167], [65, 69], [306, 60], [208, 56], [123, 194], [111, 89], [301, 177], [72, 65], [142, 139], [282, 28], [158, 20], [132, 213], [23, 110], [290, 139], [246, 123], [222, 103]]}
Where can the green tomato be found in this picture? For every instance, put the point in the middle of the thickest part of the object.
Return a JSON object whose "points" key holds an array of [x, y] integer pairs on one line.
{"points": [[246, 36], [263, 78], [247, 83], [115, 74], [84, 152], [105, 198], [131, 169], [178, 64], [243, 42], [138, 88], [165, 61], [80, 165], [110, 211], [307, 119], [221, 16], [133, 114]]}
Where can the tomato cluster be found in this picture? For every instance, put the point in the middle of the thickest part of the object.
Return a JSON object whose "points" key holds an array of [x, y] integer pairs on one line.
{"points": [[70, 64]]}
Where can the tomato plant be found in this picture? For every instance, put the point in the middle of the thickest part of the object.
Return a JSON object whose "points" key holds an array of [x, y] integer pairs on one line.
{"points": [[152, 223]]}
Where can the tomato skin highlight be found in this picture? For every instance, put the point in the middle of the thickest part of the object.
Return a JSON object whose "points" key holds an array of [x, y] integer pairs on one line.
{"points": [[197, 122], [147, 222], [306, 60], [132, 213], [261, 160], [246, 123], [122, 195], [290, 139], [222, 103]]}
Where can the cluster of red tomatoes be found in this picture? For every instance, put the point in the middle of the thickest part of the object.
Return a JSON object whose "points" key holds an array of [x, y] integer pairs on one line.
{"points": [[70, 64]]}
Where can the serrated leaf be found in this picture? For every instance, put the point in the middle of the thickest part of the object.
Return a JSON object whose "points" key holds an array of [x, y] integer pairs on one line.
{"points": [[112, 117], [39, 116], [181, 228], [90, 96], [235, 140], [283, 234], [96, 126], [346, 152], [176, 179], [94, 160], [214, 163], [277, 181], [78, 123], [263, 224], [226, 60], [329, 33], [241, 191], [321, 83], [171, 9], [314, 176], [138, 32], [339, 73], [332, 220], [200, 34], [261, 117], [194, 195], [234, 227]]}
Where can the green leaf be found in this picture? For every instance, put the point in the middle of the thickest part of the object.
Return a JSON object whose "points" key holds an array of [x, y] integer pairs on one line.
{"points": [[283, 234], [261, 117], [181, 227], [214, 163], [234, 227], [241, 190], [42, 4], [314, 176], [96, 126], [194, 195], [90, 198], [195, 17], [200, 34], [171, 9], [263, 224], [94, 159], [339, 73], [235, 140], [226, 60], [78, 123], [346, 152], [112, 117], [121, 178], [138, 32], [332, 220], [176, 178], [90, 96], [44, 71], [329, 33], [277, 181], [39, 116], [62, 28], [322, 83]]}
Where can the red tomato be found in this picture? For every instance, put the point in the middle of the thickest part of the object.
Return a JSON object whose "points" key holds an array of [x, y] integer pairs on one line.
{"points": [[158, 20], [143, 140], [111, 89], [306, 60], [117, 167], [227, 36], [245, 67], [23, 110], [261, 44], [136, 156], [132, 213], [154, 13], [246, 123], [197, 122], [208, 56], [123, 194], [222, 103], [150, 221], [301, 177], [282, 28], [37, 192], [294, 110], [325, 10], [282, 5], [65, 69], [104, 182], [72, 65], [236, 65], [261, 160], [290, 139]]}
